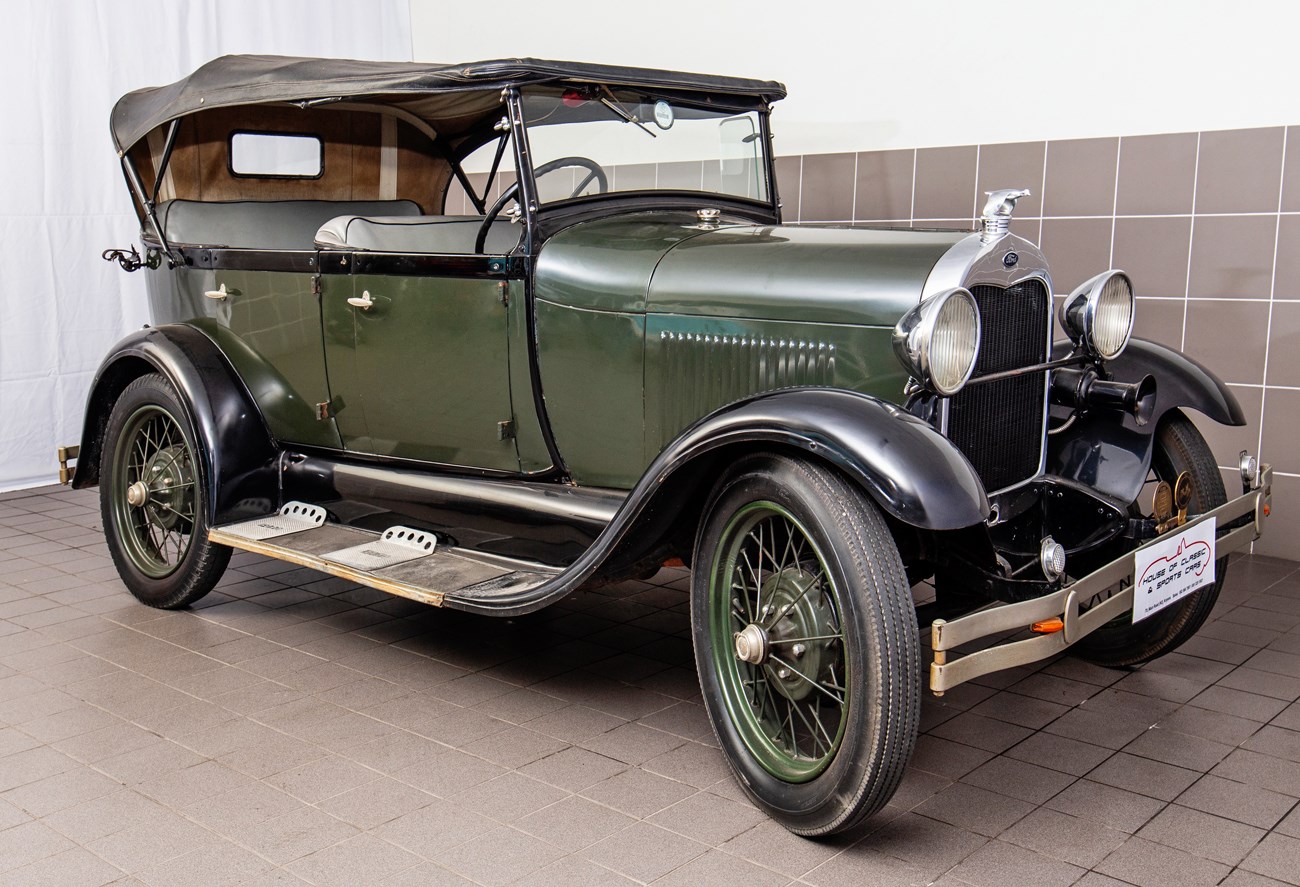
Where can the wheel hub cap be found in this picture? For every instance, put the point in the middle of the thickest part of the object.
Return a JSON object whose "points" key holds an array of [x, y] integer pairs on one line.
{"points": [[801, 610], [137, 494], [751, 644]]}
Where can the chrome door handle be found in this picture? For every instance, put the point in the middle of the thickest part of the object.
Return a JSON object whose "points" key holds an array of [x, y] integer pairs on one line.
{"points": [[365, 303], [218, 294]]}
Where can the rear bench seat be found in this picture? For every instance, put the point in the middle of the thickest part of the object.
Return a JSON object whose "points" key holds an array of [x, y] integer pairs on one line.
{"points": [[416, 234], [266, 224]]}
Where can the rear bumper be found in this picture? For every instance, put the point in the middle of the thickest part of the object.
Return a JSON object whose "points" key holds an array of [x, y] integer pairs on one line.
{"points": [[946, 636]]}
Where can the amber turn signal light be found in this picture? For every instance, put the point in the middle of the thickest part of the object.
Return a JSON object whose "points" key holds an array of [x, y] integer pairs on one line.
{"points": [[1048, 626]]}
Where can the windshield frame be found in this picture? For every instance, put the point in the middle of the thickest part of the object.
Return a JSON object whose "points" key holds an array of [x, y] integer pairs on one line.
{"points": [[656, 196]]}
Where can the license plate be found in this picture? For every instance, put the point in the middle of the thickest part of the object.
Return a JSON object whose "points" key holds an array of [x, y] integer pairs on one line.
{"points": [[1172, 568]]}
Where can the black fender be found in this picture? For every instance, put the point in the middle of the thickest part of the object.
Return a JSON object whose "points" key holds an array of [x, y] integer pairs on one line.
{"points": [[913, 472], [1114, 455], [236, 452], [916, 476]]}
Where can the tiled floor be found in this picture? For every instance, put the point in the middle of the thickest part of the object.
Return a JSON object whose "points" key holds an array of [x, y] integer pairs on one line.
{"points": [[294, 729]]}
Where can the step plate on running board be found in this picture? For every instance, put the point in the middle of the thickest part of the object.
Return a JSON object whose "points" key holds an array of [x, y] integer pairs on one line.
{"points": [[294, 517], [426, 576], [397, 546]]}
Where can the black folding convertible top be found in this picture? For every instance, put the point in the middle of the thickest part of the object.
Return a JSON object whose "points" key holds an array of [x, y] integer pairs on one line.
{"points": [[254, 79]]}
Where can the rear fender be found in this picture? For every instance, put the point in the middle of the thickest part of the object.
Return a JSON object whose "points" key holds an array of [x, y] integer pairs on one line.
{"points": [[1113, 456], [236, 453]]}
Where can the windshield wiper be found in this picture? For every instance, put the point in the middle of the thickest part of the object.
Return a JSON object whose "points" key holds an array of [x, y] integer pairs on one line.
{"points": [[610, 102]]}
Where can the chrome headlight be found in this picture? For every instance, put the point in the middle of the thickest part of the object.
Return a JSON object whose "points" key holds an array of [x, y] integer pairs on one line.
{"points": [[938, 340], [1099, 314]]}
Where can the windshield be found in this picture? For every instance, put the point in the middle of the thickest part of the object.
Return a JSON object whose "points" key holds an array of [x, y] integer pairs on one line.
{"points": [[593, 140]]}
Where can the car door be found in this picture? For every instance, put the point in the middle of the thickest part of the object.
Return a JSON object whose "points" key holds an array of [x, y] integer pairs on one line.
{"points": [[419, 362], [268, 324]]}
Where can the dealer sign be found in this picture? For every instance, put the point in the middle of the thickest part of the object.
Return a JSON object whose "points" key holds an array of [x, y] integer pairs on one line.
{"points": [[1170, 569]]}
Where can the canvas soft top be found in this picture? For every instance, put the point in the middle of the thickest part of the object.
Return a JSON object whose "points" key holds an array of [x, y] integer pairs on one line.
{"points": [[256, 79]]}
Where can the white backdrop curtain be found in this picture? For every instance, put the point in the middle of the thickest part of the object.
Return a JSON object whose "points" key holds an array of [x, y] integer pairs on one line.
{"points": [[62, 196]]}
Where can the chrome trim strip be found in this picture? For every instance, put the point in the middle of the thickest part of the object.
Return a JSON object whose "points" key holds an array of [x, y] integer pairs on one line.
{"points": [[1064, 604]]}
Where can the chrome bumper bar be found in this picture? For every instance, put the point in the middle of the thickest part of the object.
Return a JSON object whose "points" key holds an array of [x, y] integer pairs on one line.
{"points": [[1064, 604]]}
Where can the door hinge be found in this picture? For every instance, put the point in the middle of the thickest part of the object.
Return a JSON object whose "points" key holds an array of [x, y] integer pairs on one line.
{"points": [[315, 285], [504, 287], [330, 408], [506, 429]]}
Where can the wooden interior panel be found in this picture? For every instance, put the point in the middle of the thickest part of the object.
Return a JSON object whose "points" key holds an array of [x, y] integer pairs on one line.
{"points": [[200, 162], [366, 139], [419, 172]]}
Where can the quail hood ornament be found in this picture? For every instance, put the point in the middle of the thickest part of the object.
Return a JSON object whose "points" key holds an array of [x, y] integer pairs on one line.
{"points": [[995, 221]]}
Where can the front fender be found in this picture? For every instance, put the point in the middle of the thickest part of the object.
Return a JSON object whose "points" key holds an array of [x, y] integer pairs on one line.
{"points": [[911, 471], [1180, 382], [236, 454], [1114, 456]]}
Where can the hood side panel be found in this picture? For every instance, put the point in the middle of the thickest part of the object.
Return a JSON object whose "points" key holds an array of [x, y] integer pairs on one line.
{"points": [[802, 274]]}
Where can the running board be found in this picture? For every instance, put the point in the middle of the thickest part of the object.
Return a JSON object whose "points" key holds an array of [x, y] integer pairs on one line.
{"points": [[400, 561]]}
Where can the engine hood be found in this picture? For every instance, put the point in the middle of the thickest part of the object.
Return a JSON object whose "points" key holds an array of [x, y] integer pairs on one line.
{"points": [[805, 274], [667, 263]]}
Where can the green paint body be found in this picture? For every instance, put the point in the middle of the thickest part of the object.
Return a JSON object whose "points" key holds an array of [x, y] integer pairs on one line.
{"points": [[645, 322], [269, 327]]}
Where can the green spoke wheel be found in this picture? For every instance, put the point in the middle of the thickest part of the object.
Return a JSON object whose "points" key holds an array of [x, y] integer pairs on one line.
{"points": [[806, 643], [777, 642], [152, 499], [153, 496]]}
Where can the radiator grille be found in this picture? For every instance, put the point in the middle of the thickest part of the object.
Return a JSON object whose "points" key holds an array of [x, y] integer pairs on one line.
{"points": [[999, 425]]}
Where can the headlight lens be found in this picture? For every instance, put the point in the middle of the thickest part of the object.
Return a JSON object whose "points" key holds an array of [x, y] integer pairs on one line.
{"points": [[1099, 314], [938, 340]]}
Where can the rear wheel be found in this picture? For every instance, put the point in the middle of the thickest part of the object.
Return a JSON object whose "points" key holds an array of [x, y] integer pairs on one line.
{"points": [[1179, 447], [152, 499], [806, 643]]}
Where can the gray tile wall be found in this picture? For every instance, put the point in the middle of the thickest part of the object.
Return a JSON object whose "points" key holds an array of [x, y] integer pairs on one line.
{"points": [[1207, 224]]}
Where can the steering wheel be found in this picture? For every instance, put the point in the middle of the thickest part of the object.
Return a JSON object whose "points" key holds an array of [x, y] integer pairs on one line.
{"points": [[594, 171]]}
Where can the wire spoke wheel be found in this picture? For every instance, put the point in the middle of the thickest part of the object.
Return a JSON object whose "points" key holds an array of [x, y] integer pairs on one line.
{"points": [[152, 498], [805, 642], [778, 642], [153, 491]]}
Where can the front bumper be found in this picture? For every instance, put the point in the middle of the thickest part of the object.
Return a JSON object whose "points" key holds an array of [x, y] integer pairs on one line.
{"points": [[946, 636]]}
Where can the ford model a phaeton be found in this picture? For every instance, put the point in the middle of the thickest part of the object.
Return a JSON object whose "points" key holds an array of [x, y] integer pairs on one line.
{"points": [[479, 335]]}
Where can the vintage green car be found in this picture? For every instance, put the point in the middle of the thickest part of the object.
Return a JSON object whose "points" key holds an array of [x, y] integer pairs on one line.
{"points": [[479, 335]]}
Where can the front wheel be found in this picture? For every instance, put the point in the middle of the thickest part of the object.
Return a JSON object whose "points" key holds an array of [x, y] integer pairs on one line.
{"points": [[1179, 447], [152, 499], [806, 643]]}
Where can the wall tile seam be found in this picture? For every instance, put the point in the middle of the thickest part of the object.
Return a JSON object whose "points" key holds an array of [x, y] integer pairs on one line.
{"points": [[1114, 205], [911, 210], [1269, 214], [1191, 242], [853, 210], [1042, 191], [1272, 291]]}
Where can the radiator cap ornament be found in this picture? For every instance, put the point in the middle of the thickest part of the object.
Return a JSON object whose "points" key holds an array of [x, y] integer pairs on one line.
{"points": [[995, 221]]}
